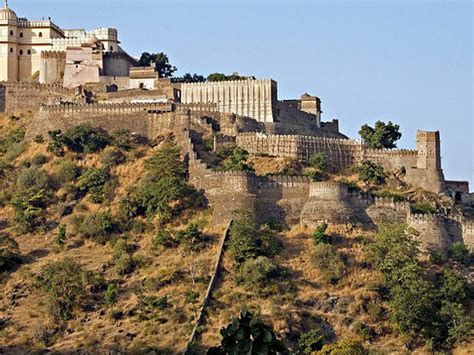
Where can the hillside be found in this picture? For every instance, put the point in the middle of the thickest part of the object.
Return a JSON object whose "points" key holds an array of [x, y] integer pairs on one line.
{"points": [[112, 219]]}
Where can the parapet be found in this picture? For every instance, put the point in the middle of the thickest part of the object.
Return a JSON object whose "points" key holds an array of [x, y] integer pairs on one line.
{"points": [[53, 54]]}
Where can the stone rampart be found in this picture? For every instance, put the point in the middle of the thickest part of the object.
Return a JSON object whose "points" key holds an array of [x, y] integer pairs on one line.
{"points": [[28, 96], [433, 235]]}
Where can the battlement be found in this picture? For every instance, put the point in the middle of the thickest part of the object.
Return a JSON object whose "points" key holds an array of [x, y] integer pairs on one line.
{"points": [[197, 107], [391, 152], [115, 108], [53, 54], [28, 85], [425, 218], [229, 82]]}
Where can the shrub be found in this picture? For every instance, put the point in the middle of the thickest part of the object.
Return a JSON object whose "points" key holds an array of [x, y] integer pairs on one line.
{"points": [[67, 171], [124, 262], [364, 331], [319, 235], [311, 341], [111, 156], [96, 281], [245, 241], [93, 181], [257, 273], [96, 226], [191, 296], [111, 294], [191, 237], [370, 173], [459, 253], [86, 139], [343, 347], [422, 208], [164, 239], [328, 262], [60, 238], [9, 253], [12, 138], [64, 282], [39, 159], [248, 335]]}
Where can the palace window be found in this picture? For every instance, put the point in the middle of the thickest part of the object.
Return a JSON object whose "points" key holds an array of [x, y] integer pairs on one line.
{"points": [[21, 34], [21, 51], [111, 48], [11, 50], [11, 33], [29, 51], [40, 34]]}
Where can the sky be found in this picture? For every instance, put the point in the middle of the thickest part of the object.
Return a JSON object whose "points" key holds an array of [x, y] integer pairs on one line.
{"points": [[410, 62]]}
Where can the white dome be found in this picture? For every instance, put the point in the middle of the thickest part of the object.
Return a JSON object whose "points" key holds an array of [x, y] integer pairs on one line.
{"points": [[7, 14]]}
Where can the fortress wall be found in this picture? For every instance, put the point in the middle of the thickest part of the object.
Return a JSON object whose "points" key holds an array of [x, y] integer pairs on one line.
{"points": [[52, 66], [433, 235], [280, 198], [117, 64], [461, 230], [392, 160], [22, 96], [249, 98]]}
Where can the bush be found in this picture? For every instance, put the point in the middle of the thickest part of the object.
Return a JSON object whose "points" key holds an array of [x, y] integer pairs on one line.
{"points": [[9, 253], [38, 139], [328, 262], [96, 226], [96, 281], [191, 237], [80, 139], [60, 238], [124, 263], [245, 333], [12, 138], [111, 156], [344, 347], [66, 171], [459, 253], [257, 273], [164, 239], [39, 159], [93, 181], [370, 173], [64, 282], [319, 235], [422, 208], [311, 341], [111, 294]]}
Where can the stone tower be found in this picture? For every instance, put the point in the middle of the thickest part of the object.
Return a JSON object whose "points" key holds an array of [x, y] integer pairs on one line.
{"points": [[428, 146], [430, 175]]}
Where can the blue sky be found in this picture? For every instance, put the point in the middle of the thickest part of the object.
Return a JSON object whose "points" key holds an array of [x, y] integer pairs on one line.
{"points": [[406, 61]]}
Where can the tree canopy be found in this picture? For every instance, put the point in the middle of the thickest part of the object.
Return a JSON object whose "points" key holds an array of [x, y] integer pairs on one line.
{"points": [[161, 61], [383, 135]]}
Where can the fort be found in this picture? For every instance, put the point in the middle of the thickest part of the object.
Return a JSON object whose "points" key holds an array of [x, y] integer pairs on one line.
{"points": [[86, 77]]}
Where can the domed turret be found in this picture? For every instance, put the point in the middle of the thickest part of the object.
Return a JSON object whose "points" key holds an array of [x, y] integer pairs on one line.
{"points": [[7, 14]]}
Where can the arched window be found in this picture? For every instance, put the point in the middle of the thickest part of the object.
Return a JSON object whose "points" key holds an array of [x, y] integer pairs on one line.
{"points": [[29, 51], [21, 51], [11, 50], [21, 34], [11, 33], [40, 34], [111, 48]]}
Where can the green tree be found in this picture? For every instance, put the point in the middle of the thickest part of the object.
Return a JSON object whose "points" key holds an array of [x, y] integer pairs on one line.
{"points": [[319, 161], [370, 173], [245, 241], [93, 181], [248, 335], [190, 78], [237, 161], [460, 253], [381, 136], [64, 282], [161, 62], [191, 237], [256, 274]]}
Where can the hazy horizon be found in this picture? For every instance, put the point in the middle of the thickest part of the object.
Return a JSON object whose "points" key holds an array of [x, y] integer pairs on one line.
{"points": [[408, 62]]}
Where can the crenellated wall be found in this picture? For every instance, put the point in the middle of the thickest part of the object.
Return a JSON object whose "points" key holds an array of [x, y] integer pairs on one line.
{"points": [[433, 235], [26, 96]]}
